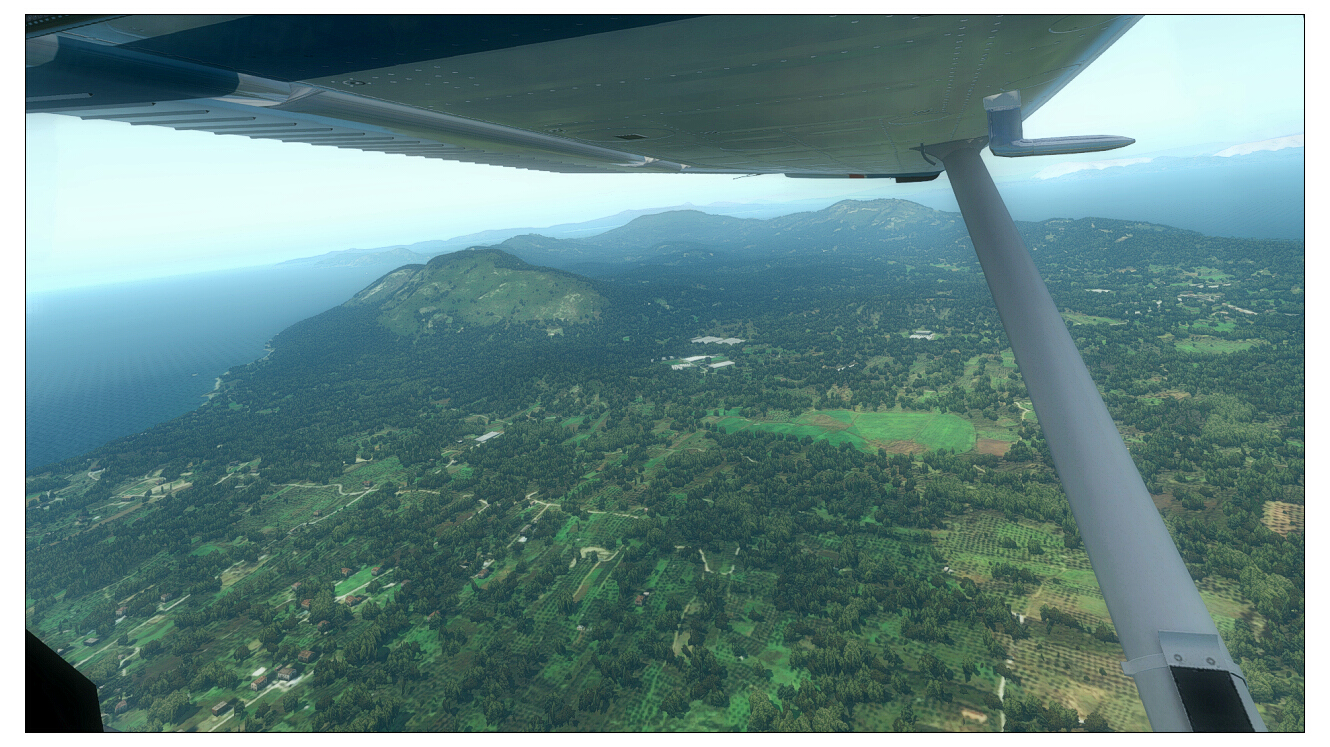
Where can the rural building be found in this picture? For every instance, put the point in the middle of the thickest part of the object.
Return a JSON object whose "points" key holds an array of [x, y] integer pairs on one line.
{"points": [[317, 512], [295, 586], [483, 573], [286, 673], [638, 601], [696, 358], [305, 656], [221, 707], [722, 364], [259, 684], [680, 366], [323, 624], [167, 596], [488, 436], [368, 483], [122, 706], [304, 603], [91, 641], [918, 336], [731, 341], [376, 570], [346, 572], [352, 600], [520, 540], [121, 611]]}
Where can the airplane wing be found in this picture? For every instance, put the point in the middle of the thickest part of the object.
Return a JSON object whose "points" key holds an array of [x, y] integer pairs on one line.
{"points": [[800, 95]]}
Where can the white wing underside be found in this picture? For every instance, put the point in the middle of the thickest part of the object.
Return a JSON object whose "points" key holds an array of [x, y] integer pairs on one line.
{"points": [[802, 95]]}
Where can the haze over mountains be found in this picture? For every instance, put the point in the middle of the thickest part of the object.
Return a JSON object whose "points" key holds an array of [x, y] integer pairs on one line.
{"points": [[1249, 190]]}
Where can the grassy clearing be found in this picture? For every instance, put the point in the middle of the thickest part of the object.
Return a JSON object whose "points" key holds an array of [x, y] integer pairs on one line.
{"points": [[1208, 345], [869, 431], [1079, 318]]}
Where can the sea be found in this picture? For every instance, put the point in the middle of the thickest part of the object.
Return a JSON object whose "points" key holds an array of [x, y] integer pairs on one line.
{"points": [[110, 361]]}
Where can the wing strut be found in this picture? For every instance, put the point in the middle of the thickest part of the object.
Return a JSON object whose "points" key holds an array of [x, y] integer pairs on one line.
{"points": [[1182, 670]]}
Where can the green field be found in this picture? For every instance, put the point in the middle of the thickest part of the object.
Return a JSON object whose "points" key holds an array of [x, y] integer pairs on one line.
{"points": [[869, 431], [1204, 345], [1078, 318]]}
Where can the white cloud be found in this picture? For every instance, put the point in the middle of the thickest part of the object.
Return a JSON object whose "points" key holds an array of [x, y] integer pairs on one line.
{"points": [[1071, 167], [1275, 143]]}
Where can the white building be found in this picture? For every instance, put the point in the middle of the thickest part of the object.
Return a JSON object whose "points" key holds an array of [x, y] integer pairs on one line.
{"points": [[696, 358], [680, 366], [488, 436], [722, 364], [917, 336]]}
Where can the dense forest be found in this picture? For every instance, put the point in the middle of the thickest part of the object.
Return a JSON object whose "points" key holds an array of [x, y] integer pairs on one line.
{"points": [[856, 525]]}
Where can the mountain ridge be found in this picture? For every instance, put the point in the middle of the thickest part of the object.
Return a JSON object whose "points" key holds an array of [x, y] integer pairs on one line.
{"points": [[481, 286]]}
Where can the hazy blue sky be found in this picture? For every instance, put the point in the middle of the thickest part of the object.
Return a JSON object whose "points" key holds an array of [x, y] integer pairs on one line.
{"points": [[108, 202]]}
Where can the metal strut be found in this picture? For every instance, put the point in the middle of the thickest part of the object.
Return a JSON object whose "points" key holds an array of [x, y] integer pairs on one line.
{"points": [[1145, 584]]}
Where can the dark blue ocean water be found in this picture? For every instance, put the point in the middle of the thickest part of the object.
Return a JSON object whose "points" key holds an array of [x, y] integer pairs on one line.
{"points": [[113, 360]]}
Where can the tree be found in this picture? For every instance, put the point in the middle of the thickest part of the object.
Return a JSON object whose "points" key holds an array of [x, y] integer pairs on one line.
{"points": [[761, 712], [166, 709], [290, 703], [969, 668], [675, 704], [1096, 722], [828, 719]]}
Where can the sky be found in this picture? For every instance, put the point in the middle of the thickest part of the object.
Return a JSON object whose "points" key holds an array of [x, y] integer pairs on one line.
{"points": [[108, 202]]}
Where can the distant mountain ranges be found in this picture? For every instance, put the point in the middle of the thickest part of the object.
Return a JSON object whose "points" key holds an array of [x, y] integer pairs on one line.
{"points": [[422, 250], [1252, 190]]}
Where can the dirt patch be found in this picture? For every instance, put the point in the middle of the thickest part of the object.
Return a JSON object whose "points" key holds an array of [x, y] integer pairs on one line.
{"points": [[974, 715], [1284, 517], [992, 446], [828, 422], [117, 516], [900, 447]]}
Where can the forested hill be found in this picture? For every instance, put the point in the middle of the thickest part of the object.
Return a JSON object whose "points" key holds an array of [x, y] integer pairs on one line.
{"points": [[477, 287]]}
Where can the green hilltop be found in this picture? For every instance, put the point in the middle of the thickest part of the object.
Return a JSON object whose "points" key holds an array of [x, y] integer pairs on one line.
{"points": [[477, 287]]}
